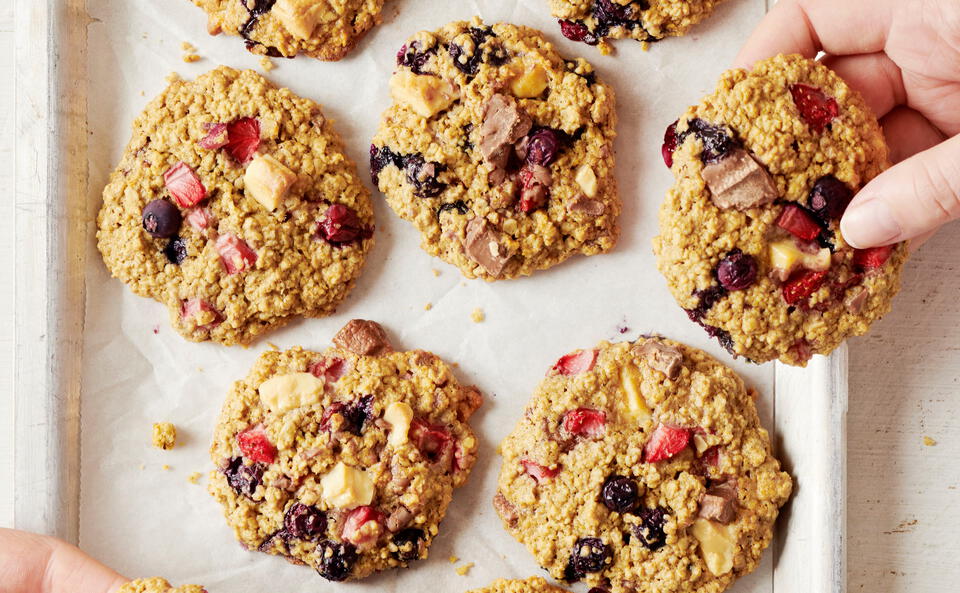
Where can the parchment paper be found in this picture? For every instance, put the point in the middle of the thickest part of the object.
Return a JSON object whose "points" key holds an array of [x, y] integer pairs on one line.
{"points": [[151, 521]]}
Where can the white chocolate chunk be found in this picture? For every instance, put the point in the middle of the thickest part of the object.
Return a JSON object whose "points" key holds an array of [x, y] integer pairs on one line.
{"points": [[785, 256], [531, 83], [587, 180], [427, 95], [287, 392], [398, 415], [300, 17], [347, 487], [718, 544], [267, 180], [636, 405]]}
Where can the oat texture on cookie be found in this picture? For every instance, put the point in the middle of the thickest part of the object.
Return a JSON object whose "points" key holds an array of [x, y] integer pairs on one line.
{"points": [[158, 585], [530, 585], [343, 460], [498, 150], [594, 22], [284, 28], [750, 240], [641, 467], [235, 206]]}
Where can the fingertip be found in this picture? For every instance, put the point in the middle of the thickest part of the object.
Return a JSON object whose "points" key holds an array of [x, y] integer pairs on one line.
{"points": [[869, 222]]}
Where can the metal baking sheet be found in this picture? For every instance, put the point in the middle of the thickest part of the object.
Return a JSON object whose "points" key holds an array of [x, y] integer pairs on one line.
{"points": [[92, 374]]}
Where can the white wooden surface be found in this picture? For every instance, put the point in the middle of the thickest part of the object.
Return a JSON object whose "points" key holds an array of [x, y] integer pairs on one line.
{"points": [[903, 495]]}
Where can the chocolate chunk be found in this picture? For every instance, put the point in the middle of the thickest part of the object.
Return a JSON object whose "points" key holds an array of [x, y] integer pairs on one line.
{"points": [[482, 246], [536, 187], [719, 503], [399, 518], [505, 509], [503, 124], [363, 338], [856, 300], [666, 359], [739, 181], [584, 205]]}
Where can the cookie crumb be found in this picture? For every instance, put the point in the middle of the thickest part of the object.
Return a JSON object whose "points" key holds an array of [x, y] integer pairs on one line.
{"points": [[453, 559], [142, 467], [929, 441], [272, 346], [478, 316], [165, 467], [463, 569], [266, 64], [428, 306], [194, 478], [187, 46], [191, 58], [436, 273], [164, 435]]}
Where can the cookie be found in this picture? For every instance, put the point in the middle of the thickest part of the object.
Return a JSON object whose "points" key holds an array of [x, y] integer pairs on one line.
{"points": [[594, 22], [284, 28], [498, 150], [641, 467], [750, 240], [344, 460], [158, 585], [531, 585], [235, 206]]}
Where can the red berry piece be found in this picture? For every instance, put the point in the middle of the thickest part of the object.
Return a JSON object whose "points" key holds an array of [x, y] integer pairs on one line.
{"points": [[199, 218], [575, 363], [331, 369], [670, 143], [191, 307], [874, 257], [184, 185], [216, 138], [433, 442], [801, 285], [255, 445], [538, 472], [798, 223], [243, 139], [665, 442], [235, 254], [815, 108], [711, 456], [362, 526], [575, 31], [341, 226], [585, 422]]}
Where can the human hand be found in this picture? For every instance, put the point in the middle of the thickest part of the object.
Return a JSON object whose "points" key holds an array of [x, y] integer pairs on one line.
{"points": [[903, 56], [38, 564]]}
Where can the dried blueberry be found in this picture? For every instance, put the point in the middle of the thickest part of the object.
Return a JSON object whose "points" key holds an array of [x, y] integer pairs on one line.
{"points": [[409, 544], [716, 142], [176, 250], [723, 337], [341, 226], [380, 158], [255, 10], [244, 479], [357, 414], [542, 147], [422, 174], [707, 297], [413, 56], [335, 560], [589, 554], [468, 61], [460, 206], [650, 529], [829, 198], [737, 271], [161, 219], [304, 522], [620, 494]]}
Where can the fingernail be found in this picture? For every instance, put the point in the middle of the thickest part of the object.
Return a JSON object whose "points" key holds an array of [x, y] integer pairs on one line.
{"points": [[869, 223]]}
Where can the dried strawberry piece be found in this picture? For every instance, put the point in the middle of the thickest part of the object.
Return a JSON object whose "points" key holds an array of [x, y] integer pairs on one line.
{"points": [[711, 456], [575, 363], [670, 142], [665, 442], [341, 226], [802, 284], [585, 422], [799, 223], [538, 472], [235, 254], [357, 529], [255, 445], [331, 369], [184, 185], [433, 442], [243, 139], [873, 257], [816, 108], [199, 218], [216, 138], [191, 307]]}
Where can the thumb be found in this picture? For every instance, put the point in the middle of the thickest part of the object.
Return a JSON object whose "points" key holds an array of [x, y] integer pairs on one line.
{"points": [[913, 198]]}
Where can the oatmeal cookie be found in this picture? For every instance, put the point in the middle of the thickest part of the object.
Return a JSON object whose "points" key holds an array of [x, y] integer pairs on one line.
{"points": [[596, 21], [235, 206], [343, 460], [642, 467], [158, 585], [531, 585], [499, 150], [283, 28], [750, 238]]}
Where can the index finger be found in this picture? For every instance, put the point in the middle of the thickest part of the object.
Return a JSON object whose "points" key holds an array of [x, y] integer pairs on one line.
{"points": [[807, 27]]}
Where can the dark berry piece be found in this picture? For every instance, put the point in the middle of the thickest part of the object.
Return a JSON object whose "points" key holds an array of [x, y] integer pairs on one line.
{"points": [[335, 560], [161, 219], [708, 297], [243, 478], [650, 529], [358, 414], [469, 62], [613, 14], [413, 56], [589, 554], [620, 494], [409, 543], [716, 142], [422, 174], [459, 206], [577, 31], [380, 158], [670, 143], [542, 147], [829, 198], [737, 271], [341, 226], [176, 250], [597, 590], [304, 522], [497, 55], [723, 337]]}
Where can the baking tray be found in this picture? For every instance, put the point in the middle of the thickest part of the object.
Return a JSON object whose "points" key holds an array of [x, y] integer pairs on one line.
{"points": [[61, 300]]}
